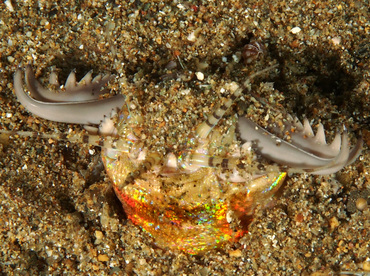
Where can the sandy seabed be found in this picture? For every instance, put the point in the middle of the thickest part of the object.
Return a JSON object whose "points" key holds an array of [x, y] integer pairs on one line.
{"points": [[59, 216]]}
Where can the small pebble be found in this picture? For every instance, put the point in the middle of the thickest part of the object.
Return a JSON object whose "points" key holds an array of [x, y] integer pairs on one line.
{"points": [[191, 37], [235, 253], [366, 265], [103, 258], [295, 30], [99, 235], [336, 40], [9, 5], [200, 76], [334, 223], [361, 204]]}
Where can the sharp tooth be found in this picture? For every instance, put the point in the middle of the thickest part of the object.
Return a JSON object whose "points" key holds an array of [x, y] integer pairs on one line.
{"points": [[335, 145], [86, 79], [97, 78], [53, 79], [320, 135], [106, 78], [298, 124], [307, 129], [71, 80]]}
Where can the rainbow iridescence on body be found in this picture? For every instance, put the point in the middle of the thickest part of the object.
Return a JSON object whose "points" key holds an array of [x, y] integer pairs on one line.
{"points": [[193, 223]]}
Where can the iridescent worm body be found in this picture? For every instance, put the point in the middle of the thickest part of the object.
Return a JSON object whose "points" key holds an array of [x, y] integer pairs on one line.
{"points": [[190, 200]]}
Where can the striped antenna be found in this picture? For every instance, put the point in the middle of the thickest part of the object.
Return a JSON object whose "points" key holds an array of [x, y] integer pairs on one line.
{"points": [[206, 127]]}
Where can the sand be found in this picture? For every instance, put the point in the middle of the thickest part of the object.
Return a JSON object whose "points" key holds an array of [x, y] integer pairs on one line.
{"points": [[58, 212]]}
